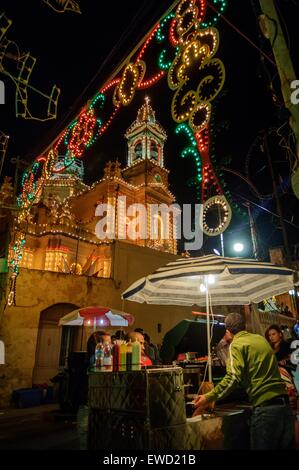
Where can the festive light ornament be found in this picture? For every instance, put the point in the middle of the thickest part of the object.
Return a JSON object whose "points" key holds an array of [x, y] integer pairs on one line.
{"points": [[82, 133], [24, 63], [191, 151], [224, 213], [49, 164], [189, 15], [220, 6], [60, 6], [160, 34], [14, 265], [30, 187], [189, 102], [131, 78]]}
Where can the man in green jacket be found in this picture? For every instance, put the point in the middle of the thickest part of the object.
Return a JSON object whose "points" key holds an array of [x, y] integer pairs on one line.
{"points": [[252, 365]]}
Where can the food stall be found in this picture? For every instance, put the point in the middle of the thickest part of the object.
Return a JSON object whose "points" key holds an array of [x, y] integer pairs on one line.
{"points": [[146, 410], [149, 409]]}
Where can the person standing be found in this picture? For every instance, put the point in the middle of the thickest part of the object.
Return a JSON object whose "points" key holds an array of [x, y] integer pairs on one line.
{"points": [[282, 351], [252, 365], [281, 348]]}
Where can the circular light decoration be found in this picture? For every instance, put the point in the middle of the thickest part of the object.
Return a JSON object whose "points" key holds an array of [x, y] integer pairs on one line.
{"points": [[131, 77], [223, 216]]}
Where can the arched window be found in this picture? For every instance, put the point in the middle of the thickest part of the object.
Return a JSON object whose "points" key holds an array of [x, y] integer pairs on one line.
{"points": [[137, 151], [154, 151]]}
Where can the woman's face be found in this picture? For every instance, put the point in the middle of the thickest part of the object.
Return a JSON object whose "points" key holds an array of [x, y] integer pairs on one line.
{"points": [[274, 336]]}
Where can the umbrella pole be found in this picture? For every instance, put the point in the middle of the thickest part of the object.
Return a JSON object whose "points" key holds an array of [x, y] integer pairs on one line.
{"points": [[208, 332]]}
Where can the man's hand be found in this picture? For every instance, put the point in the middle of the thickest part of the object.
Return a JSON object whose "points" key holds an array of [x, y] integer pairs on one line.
{"points": [[200, 403]]}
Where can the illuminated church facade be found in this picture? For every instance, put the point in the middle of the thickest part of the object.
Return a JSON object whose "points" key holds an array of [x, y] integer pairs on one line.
{"points": [[61, 227]]}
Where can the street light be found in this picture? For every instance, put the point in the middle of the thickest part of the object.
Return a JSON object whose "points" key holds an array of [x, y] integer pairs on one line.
{"points": [[238, 247]]}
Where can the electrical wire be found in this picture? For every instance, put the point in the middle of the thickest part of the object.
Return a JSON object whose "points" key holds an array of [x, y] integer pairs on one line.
{"points": [[266, 210], [242, 34]]}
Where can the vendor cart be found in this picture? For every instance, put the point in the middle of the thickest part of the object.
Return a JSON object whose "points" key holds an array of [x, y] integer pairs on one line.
{"points": [[146, 410]]}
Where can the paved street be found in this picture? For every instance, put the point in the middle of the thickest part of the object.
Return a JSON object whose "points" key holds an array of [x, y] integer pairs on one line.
{"points": [[42, 427]]}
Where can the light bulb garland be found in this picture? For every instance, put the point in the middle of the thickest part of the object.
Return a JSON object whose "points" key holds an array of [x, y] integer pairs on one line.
{"points": [[161, 35], [221, 6], [191, 151], [14, 262]]}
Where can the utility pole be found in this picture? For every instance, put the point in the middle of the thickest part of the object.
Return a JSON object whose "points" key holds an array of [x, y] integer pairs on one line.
{"points": [[278, 205], [271, 28]]}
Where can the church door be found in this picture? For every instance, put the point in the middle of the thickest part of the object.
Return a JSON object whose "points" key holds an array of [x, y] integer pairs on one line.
{"points": [[53, 343]]}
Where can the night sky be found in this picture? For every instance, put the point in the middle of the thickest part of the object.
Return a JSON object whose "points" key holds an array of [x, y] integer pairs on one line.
{"points": [[78, 52]]}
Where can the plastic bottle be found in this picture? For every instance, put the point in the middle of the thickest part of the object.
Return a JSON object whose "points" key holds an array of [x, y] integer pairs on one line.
{"points": [[116, 357], [129, 356], [99, 355], [123, 357], [107, 360], [136, 355]]}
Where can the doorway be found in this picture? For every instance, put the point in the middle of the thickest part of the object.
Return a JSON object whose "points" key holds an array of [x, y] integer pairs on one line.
{"points": [[54, 343]]}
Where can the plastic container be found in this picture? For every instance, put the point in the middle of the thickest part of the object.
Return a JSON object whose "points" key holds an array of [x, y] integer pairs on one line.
{"points": [[107, 360], [99, 355], [123, 357], [136, 355]]}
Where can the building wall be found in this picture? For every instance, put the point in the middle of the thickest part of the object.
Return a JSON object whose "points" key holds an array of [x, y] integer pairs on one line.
{"points": [[37, 290]]}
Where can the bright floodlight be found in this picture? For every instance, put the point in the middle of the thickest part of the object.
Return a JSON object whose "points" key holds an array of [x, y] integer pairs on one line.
{"points": [[202, 288], [238, 247], [211, 279], [216, 252]]}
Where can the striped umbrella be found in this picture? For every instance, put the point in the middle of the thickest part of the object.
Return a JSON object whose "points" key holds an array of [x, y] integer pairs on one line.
{"points": [[211, 279], [97, 316], [230, 281]]}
